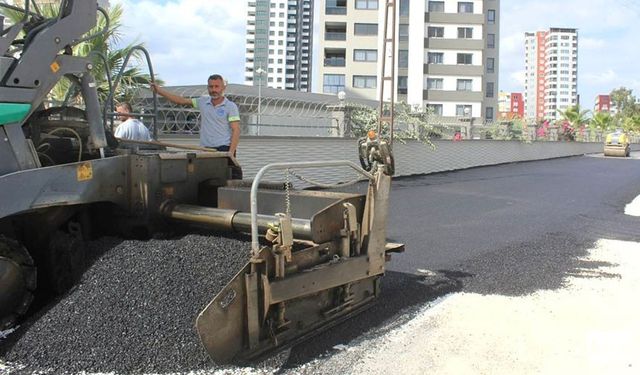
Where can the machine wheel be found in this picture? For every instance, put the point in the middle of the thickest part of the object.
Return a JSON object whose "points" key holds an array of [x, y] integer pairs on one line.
{"points": [[65, 260], [17, 281]]}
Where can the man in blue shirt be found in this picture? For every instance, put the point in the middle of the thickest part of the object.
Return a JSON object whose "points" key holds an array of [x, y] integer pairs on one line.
{"points": [[219, 117]]}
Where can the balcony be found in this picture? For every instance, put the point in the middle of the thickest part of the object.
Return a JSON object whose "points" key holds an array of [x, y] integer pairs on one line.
{"points": [[330, 35], [335, 10], [335, 61]]}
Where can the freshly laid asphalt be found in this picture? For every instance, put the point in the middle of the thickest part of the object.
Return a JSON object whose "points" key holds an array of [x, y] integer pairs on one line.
{"points": [[510, 230]]}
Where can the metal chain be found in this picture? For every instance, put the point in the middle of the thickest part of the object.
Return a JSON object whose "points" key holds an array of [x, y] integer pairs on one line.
{"points": [[323, 185], [287, 190]]}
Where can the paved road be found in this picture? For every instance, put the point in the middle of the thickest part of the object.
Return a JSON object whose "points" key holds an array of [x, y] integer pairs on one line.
{"points": [[479, 244], [507, 230]]}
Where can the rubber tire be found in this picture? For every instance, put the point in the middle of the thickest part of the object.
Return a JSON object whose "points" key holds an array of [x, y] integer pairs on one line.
{"points": [[18, 254]]}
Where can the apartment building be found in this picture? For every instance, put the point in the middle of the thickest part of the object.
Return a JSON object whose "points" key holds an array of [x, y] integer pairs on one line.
{"points": [[603, 104], [510, 105], [446, 53], [551, 72], [279, 44]]}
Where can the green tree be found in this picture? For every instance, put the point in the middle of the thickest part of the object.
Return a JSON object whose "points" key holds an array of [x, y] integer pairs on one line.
{"points": [[572, 121], [625, 103], [631, 124], [133, 76], [575, 116], [601, 121], [410, 122]]}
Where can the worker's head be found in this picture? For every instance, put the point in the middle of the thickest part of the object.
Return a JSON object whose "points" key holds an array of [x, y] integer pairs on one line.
{"points": [[124, 109], [216, 86]]}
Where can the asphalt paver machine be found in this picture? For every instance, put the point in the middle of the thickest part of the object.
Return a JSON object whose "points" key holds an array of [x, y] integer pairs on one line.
{"points": [[316, 257]]}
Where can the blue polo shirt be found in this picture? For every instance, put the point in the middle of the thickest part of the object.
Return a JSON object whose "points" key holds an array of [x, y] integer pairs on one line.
{"points": [[215, 121]]}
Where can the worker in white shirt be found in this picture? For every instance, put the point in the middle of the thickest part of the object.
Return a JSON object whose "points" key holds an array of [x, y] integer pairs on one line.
{"points": [[131, 128]]}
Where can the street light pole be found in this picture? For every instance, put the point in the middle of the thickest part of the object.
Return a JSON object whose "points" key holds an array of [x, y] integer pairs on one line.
{"points": [[259, 72], [468, 113]]}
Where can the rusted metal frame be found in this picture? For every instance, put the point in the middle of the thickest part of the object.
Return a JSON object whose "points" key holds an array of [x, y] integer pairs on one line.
{"points": [[322, 278], [390, 9]]}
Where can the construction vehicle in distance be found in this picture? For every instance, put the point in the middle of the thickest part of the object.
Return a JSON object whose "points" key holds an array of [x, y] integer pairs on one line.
{"points": [[617, 144], [62, 176]]}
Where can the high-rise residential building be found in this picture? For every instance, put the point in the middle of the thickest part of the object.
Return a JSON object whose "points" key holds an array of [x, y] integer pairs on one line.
{"points": [[551, 68], [446, 53], [279, 44], [510, 105]]}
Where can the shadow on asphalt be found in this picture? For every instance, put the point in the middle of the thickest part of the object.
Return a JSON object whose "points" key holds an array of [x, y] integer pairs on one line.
{"points": [[399, 292]]}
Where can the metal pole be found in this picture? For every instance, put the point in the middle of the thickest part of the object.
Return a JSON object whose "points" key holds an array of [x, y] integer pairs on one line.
{"points": [[259, 103], [259, 72]]}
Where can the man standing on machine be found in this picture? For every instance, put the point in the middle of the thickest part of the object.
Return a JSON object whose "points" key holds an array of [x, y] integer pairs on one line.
{"points": [[219, 117]]}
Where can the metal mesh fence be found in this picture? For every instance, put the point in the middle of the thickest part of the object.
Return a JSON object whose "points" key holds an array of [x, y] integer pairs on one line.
{"points": [[258, 115]]}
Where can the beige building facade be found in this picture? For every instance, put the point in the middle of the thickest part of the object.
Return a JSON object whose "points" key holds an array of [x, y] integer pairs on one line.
{"points": [[446, 53]]}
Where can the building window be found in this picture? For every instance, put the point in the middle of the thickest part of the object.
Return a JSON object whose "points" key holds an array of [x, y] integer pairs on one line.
{"points": [[366, 29], [403, 58], [491, 16], [463, 110], [366, 4], [465, 58], [464, 85], [402, 84], [489, 93], [404, 8], [465, 7], [435, 109], [435, 32], [434, 83], [435, 57], [370, 55], [491, 62], [491, 40], [465, 32], [403, 31], [336, 7], [436, 6], [488, 114], [364, 82], [333, 83]]}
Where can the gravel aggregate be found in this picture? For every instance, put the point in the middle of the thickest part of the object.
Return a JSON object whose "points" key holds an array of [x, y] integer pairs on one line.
{"points": [[134, 310]]}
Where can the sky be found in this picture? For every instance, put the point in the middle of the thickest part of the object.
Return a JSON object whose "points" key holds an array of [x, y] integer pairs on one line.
{"points": [[191, 39]]}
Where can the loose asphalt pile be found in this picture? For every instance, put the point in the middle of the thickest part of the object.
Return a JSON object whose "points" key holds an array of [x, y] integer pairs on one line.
{"points": [[134, 310]]}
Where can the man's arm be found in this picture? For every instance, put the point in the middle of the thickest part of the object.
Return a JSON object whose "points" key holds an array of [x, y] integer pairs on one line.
{"points": [[177, 99], [235, 136]]}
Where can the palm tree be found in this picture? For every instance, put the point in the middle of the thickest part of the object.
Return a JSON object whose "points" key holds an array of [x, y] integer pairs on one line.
{"points": [[631, 124], [601, 121], [573, 118], [101, 45]]}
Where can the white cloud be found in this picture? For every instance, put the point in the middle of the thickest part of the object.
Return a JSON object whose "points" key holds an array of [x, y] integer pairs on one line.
{"points": [[592, 43], [518, 77], [189, 39], [607, 77], [607, 32]]}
